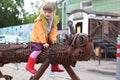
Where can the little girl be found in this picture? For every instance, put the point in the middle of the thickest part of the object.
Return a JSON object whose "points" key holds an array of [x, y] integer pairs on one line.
{"points": [[45, 28]]}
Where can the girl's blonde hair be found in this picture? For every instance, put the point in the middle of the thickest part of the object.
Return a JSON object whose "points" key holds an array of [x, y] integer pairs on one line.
{"points": [[48, 6]]}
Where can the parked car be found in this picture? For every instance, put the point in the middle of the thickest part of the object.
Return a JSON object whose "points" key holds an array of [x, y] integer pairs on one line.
{"points": [[11, 39]]}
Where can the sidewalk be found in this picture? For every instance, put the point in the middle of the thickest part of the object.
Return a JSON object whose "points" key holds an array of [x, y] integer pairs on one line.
{"points": [[107, 67]]}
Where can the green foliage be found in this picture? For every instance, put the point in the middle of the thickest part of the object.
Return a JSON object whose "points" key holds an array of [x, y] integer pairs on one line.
{"points": [[29, 19], [10, 12], [59, 8]]}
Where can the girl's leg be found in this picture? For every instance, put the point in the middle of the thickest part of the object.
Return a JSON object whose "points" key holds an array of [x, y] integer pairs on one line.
{"points": [[56, 68], [32, 61], [36, 48], [34, 54]]}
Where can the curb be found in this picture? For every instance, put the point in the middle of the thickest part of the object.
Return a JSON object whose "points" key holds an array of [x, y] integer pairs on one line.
{"points": [[102, 72]]}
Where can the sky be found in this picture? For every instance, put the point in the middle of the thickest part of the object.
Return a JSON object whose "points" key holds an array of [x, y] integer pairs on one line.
{"points": [[28, 7]]}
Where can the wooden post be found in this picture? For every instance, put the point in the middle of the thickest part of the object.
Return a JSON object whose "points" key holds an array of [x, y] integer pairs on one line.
{"points": [[99, 54], [71, 73], [41, 70]]}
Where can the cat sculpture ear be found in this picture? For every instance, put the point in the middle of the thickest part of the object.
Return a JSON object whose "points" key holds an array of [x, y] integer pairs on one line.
{"points": [[89, 38], [66, 36], [65, 40], [68, 39]]}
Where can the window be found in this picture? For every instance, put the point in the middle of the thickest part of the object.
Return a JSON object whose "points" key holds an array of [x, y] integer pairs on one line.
{"points": [[86, 4]]}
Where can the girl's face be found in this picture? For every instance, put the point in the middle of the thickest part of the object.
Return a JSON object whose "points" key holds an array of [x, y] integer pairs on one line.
{"points": [[48, 14]]}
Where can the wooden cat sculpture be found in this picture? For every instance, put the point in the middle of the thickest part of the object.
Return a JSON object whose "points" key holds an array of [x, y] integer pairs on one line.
{"points": [[76, 47]]}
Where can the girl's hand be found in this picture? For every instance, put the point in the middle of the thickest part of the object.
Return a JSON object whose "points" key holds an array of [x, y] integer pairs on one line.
{"points": [[53, 42], [45, 45]]}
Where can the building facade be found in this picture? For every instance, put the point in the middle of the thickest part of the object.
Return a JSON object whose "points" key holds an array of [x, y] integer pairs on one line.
{"points": [[96, 5]]}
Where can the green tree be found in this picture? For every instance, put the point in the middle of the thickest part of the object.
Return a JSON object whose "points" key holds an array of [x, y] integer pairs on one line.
{"points": [[29, 18], [10, 12], [59, 8], [35, 7]]}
